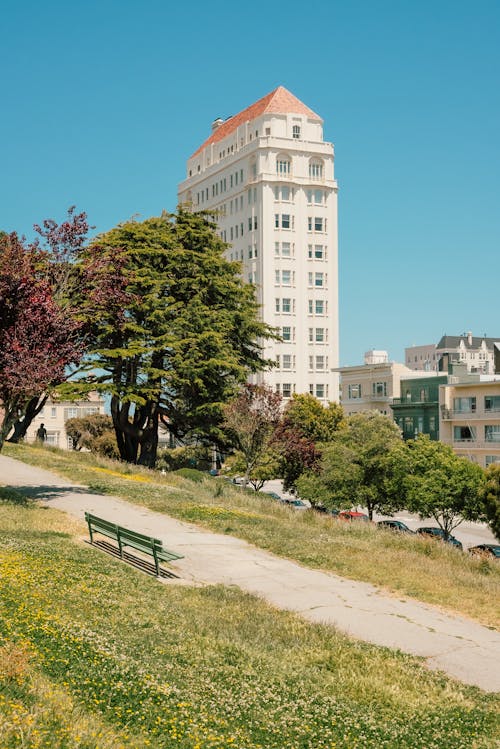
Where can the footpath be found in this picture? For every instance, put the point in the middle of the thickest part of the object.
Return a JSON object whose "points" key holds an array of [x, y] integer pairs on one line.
{"points": [[462, 648]]}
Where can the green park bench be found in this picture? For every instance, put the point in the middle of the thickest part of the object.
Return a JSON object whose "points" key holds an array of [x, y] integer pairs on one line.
{"points": [[127, 538]]}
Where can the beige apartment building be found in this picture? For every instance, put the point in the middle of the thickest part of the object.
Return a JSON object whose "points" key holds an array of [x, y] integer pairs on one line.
{"points": [[373, 385], [55, 414], [267, 175], [469, 419]]}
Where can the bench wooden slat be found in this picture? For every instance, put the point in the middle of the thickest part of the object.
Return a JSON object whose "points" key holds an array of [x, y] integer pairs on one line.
{"points": [[126, 537]]}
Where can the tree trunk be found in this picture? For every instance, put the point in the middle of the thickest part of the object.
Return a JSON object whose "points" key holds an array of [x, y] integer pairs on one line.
{"points": [[33, 408], [137, 440], [124, 431], [9, 417]]}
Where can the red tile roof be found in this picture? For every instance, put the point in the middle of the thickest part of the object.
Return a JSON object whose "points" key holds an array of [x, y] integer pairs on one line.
{"points": [[280, 101]]}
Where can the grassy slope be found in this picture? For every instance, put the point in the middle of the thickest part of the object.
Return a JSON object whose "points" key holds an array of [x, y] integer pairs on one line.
{"points": [[416, 567], [96, 655]]}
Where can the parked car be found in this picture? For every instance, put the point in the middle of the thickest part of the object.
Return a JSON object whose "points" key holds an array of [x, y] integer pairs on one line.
{"points": [[352, 515], [274, 495], [439, 534], [486, 550], [298, 504], [324, 510], [395, 525]]}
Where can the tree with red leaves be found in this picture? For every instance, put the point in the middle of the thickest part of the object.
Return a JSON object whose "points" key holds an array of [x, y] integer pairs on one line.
{"points": [[41, 332], [305, 426], [251, 419]]}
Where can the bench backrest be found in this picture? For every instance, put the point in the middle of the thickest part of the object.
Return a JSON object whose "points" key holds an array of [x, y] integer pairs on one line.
{"points": [[126, 536], [103, 526]]}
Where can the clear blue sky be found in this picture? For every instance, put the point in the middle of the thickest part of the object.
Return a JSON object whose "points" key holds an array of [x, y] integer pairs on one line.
{"points": [[102, 102]]}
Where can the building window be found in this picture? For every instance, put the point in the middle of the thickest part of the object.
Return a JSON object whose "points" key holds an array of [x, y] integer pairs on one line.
{"points": [[492, 402], [320, 362], [319, 306], [320, 391], [286, 333], [318, 223], [286, 390], [285, 249], [287, 361], [318, 279], [317, 252], [70, 413], [464, 434], [277, 305], [320, 335], [53, 412], [489, 459], [286, 305], [354, 391], [432, 423], [286, 277], [283, 166], [379, 388], [316, 170], [464, 405], [296, 131], [492, 433]]}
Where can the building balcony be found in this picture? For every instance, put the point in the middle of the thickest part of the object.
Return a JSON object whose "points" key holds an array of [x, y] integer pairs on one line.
{"points": [[450, 414], [473, 444], [416, 403]]}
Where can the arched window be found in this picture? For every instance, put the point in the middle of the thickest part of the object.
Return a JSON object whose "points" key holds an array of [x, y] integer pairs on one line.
{"points": [[283, 165], [316, 169]]}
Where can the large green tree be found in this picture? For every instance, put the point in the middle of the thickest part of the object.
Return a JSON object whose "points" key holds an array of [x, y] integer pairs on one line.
{"points": [[184, 336], [491, 498], [438, 483], [355, 467]]}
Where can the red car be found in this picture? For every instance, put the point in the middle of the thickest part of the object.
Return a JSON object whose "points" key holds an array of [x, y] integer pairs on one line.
{"points": [[352, 515]]}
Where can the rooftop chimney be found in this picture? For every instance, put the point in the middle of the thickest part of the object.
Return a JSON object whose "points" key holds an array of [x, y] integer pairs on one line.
{"points": [[217, 123], [469, 338]]}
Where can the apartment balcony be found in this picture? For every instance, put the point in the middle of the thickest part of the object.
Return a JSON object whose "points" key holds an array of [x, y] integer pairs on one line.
{"points": [[450, 414], [476, 444]]}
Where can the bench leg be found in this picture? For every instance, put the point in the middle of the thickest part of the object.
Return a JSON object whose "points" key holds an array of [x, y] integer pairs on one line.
{"points": [[120, 547], [157, 563]]}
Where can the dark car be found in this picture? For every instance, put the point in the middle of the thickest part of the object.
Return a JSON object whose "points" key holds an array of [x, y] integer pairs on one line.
{"points": [[274, 495], [324, 510], [352, 515], [486, 550], [395, 525], [440, 535]]}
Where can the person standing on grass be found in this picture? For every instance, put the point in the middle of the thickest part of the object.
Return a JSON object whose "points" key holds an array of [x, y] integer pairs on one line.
{"points": [[41, 434]]}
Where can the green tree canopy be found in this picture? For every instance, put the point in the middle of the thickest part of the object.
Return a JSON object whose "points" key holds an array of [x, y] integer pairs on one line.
{"points": [[491, 498], [182, 334], [316, 422], [439, 484], [355, 468]]}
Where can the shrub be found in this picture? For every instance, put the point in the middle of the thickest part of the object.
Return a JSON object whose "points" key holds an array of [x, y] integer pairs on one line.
{"points": [[191, 473]]}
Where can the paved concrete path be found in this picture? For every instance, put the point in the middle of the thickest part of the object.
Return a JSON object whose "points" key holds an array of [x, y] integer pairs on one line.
{"points": [[462, 648]]}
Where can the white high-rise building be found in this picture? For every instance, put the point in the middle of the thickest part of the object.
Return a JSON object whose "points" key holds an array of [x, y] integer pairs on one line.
{"points": [[269, 175]]}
